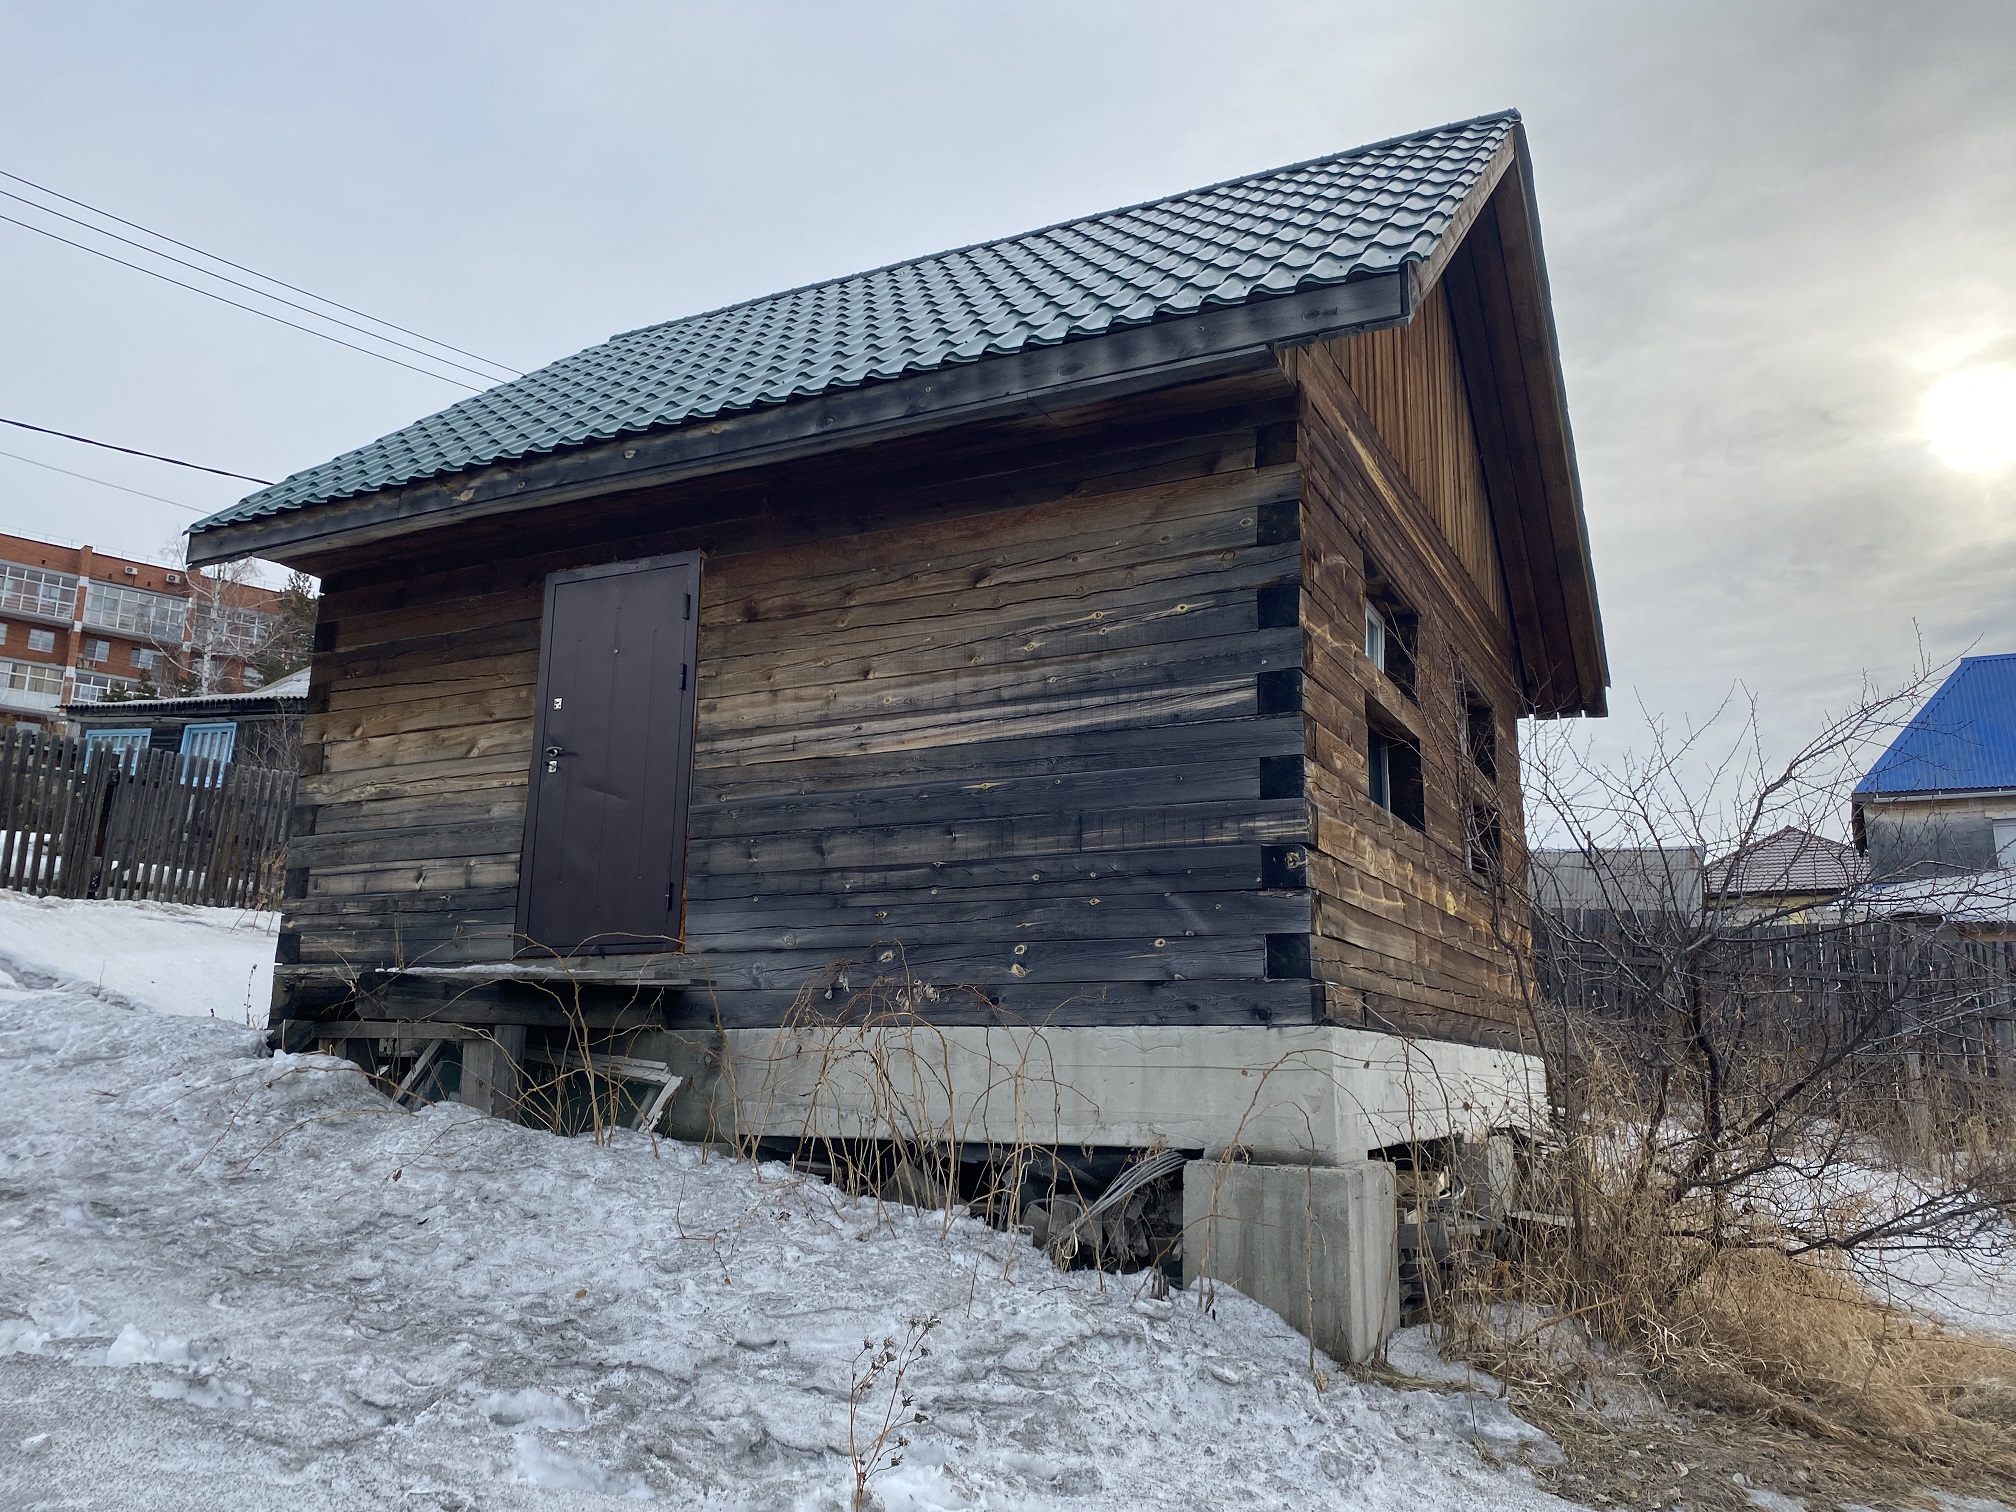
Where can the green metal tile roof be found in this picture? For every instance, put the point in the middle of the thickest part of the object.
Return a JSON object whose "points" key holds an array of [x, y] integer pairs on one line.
{"points": [[1353, 214]]}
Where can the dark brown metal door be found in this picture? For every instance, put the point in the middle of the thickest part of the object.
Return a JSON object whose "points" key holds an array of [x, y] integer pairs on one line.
{"points": [[605, 827]]}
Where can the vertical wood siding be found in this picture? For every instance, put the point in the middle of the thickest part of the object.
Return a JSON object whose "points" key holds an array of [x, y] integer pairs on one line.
{"points": [[1410, 383]]}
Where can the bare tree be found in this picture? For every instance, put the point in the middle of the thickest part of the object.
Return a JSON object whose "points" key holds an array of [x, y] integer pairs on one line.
{"points": [[1752, 1096]]}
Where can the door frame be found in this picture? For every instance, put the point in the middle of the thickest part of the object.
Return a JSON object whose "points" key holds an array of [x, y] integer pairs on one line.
{"points": [[689, 715]]}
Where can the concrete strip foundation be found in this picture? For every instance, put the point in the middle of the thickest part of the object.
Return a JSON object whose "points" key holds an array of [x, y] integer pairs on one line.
{"points": [[1317, 1244], [1286, 1095]]}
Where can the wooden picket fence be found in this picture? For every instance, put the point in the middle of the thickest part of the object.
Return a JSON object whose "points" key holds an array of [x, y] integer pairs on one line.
{"points": [[101, 823], [1945, 998]]}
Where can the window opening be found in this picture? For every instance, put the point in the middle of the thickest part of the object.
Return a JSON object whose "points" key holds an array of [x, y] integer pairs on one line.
{"points": [[1480, 735], [125, 746], [210, 742], [2005, 842], [1393, 773], [1483, 842], [41, 640], [1390, 628]]}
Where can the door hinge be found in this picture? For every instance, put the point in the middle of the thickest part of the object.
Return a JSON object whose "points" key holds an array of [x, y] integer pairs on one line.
{"points": [[689, 606], [682, 677]]}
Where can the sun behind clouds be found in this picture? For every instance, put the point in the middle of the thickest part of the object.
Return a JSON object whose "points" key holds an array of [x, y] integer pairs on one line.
{"points": [[1969, 418]]}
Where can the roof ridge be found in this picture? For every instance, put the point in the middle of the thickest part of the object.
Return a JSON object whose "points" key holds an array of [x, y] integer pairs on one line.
{"points": [[1510, 115]]}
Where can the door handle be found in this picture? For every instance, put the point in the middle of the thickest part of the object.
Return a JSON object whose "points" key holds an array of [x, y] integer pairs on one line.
{"points": [[553, 755]]}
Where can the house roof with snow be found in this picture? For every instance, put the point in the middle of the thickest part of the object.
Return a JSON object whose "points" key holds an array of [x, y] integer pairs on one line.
{"points": [[285, 695], [1963, 740]]}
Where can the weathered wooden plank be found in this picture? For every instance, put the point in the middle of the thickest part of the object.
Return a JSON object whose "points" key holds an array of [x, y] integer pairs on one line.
{"points": [[736, 925], [1059, 1005], [977, 762], [1214, 868], [1235, 780], [488, 837], [1073, 834]]}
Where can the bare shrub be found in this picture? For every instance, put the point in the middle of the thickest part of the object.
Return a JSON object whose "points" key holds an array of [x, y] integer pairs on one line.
{"points": [[1754, 1109]]}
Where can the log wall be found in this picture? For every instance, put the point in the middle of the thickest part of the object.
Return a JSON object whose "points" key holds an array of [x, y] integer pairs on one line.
{"points": [[1407, 935], [1032, 737], [1066, 721]]}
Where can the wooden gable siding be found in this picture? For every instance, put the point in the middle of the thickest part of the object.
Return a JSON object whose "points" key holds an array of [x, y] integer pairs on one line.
{"points": [[1010, 738], [1409, 380], [1406, 936]]}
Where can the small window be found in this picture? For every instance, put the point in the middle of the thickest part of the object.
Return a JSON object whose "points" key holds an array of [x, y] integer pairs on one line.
{"points": [[3, 634], [210, 742], [127, 745], [2005, 842], [1483, 842], [1389, 630], [96, 652], [1480, 735], [146, 659], [1393, 775], [41, 640]]}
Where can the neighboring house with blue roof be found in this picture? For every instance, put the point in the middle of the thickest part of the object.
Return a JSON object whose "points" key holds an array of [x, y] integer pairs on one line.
{"points": [[1941, 801], [1102, 646]]}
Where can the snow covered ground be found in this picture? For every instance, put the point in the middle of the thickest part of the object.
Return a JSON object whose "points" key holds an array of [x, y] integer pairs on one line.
{"points": [[229, 1280], [207, 962]]}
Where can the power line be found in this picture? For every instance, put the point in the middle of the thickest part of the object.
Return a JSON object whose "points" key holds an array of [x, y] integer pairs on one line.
{"points": [[150, 456], [236, 283], [52, 467], [236, 305], [264, 277]]}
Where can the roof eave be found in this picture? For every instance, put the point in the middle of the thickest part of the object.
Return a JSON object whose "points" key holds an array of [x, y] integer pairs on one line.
{"points": [[1500, 302], [1165, 353]]}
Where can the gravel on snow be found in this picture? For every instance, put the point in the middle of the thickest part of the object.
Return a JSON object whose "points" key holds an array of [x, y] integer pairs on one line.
{"points": [[235, 1280]]}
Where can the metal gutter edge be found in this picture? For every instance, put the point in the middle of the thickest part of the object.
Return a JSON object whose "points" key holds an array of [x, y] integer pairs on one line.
{"points": [[1134, 359]]}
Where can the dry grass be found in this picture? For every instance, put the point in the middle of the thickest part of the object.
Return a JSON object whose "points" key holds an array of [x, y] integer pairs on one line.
{"points": [[1632, 1303]]}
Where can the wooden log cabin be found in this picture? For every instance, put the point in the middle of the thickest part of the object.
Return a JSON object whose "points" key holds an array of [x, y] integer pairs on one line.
{"points": [[1116, 633]]}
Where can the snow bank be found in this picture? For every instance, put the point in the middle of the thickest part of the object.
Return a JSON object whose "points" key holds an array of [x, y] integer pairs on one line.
{"points": [[243, 1281], [205, 962]]}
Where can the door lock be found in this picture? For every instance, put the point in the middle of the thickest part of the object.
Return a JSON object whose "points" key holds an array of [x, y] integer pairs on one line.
{"points": [[553, 755]]}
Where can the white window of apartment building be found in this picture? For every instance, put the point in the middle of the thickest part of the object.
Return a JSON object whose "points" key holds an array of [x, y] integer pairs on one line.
{"points": [[92, 687], [135, 611], [96, 652], [41, 640], [34, 591], [28, 677], [3, 633], [146, 659]]}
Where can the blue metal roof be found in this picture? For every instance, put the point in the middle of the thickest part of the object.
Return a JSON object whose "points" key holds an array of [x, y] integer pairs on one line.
{"points": [[1353, 214], [1963, 740]]}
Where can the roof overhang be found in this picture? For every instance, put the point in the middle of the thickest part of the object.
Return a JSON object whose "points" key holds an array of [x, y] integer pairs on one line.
{"points": [[1215, 343], [1493, 269], [1938, 795]]}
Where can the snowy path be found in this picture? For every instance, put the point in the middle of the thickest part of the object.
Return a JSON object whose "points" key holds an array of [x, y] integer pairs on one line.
{"points": [[231, 1281], [205, 962]]}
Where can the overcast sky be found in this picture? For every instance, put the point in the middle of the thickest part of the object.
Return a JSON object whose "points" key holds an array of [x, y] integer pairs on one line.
{"points": [[1770, 227]]}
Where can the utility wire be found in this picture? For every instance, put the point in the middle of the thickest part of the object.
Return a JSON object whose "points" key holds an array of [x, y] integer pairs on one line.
{"points": [[264, 277], [183, 262], [236, 305], [150, 456], [52, 467]]}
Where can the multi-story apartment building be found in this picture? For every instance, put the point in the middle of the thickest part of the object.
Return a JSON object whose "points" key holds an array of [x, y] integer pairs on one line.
{"points": [[78, 624]]}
